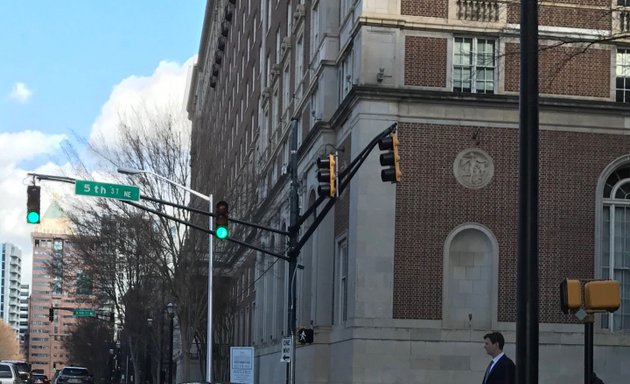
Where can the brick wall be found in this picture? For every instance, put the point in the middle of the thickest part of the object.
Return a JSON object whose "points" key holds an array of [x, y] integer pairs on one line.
{"points": [[430, 204], [428, 8], [425, 61], [564, 71], [570, 17]]}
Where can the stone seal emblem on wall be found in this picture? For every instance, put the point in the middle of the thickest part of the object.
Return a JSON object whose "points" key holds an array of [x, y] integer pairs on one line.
{"points": [[473, 168]]}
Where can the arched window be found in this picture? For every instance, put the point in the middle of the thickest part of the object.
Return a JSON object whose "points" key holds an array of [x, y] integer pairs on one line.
{"points": [[615, 242]]}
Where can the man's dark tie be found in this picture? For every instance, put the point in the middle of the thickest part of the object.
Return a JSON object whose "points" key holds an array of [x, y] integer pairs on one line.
{"points": [[485, 376]]}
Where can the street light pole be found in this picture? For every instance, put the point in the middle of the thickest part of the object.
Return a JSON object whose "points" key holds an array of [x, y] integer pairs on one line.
{"points": [[208, 198], [171, 314]]}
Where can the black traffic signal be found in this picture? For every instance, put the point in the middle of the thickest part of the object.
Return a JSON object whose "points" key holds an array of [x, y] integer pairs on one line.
{"points": [[327, 176], [221, 220], [390, 159], [111, 317], [305, 336], [51, 314], [32, 204]]}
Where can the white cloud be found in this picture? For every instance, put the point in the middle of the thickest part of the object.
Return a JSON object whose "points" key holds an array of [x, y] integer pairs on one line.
{"points": [[19, 146], [135, 95], [21, 93], [165, 87]]}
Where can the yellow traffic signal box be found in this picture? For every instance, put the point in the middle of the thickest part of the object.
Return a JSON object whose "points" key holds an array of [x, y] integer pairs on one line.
{"points": [[602, 295], [570, 295]]}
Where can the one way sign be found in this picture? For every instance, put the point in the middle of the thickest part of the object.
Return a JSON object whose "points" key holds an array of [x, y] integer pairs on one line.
{"points": [[287, 343]]}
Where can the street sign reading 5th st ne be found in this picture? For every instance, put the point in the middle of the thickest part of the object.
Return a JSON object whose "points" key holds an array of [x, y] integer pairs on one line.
{"points": [[112, 191]]}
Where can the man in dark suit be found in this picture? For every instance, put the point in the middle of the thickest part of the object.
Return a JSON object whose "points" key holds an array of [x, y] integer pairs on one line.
{"points": [[501, 369]]}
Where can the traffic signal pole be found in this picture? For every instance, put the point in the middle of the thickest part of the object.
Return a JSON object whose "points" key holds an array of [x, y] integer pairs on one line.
{"points": [[294, 252], [588, 348], [527, 296]]}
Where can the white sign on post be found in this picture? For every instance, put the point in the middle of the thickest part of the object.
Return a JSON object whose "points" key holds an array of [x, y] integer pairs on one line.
{"points": [[242, 365], [287, 343]]}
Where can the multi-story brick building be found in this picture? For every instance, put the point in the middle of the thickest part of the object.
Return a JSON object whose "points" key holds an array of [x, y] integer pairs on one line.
{"points": [[51, 287], [400, 282]]}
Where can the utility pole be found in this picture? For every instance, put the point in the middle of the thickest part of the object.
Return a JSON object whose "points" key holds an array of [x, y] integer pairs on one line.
{"points": [[527, 265], [294, 229]]}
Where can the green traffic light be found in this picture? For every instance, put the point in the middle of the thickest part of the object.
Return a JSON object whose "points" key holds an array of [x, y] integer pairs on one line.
{"points": [[221, 233], [33, 218]]}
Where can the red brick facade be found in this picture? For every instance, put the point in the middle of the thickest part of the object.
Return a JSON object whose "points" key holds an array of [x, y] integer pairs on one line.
{"points": [[425, 61], [428, 8], [564, 71], [430, 203], [569, 17]]}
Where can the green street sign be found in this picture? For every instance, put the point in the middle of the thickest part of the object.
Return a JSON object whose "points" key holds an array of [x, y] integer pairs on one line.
{"points": [[112, 191], [83, 313]]}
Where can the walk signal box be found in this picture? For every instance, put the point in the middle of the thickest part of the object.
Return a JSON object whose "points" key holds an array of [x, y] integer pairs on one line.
{"points": [[570, 295], [602, 295]]}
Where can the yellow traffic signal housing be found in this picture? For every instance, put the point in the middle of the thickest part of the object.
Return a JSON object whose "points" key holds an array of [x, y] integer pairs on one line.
{"points": [[327, 176], [602, 295], [390, 159], [570, 295]]}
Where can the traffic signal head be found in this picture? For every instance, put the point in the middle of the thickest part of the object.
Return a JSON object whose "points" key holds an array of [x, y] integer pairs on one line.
{"points": [[327, 176], [221, 220], [32, 204], [602, 295], [570, 295], [51, 314], [390, 159]]}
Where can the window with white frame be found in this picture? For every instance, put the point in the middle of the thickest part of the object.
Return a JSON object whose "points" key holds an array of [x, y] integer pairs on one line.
{"points": [[299, 67], [346, 75], [474, 65], [314, 29], [622, 83], [342, 262], [615, 258], [286, 87]]}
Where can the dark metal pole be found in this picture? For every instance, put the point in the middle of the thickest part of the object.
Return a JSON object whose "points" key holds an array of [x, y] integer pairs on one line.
{"points": [[588, 349], [527, 266], [294, 212], [170, 352]]}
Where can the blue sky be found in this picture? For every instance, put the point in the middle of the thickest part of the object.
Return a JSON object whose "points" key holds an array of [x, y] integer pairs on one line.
{"points": [[63, 62]]}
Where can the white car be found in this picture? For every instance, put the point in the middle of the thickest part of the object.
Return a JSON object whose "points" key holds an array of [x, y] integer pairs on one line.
{"points": [[74, 375], [9, 374]]}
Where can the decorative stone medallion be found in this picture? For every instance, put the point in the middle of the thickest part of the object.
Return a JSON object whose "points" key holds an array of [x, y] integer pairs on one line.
{"points": [[473, 168]]}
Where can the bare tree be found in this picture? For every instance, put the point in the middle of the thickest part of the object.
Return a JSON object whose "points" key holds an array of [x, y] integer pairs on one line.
{"points": [[130, 253], [8, 340]]}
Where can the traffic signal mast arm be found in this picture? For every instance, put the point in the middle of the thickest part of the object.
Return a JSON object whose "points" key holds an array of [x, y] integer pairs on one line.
{"points": [[206, 230], [70, 180], [344, 179]]}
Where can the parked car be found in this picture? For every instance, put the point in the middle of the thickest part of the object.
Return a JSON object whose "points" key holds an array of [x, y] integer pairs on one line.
{"points": [[39, 378], [9, 374], [74, 375], [23, 368]]}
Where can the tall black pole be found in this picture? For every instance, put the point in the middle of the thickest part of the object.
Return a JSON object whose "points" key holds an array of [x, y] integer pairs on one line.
{"points": [[170, 352], [294, 212], [588, 349], [527, 266]]}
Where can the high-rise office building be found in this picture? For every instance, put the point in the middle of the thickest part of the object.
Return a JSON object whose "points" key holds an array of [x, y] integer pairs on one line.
{"points": [[49, 289], [10, 275]]}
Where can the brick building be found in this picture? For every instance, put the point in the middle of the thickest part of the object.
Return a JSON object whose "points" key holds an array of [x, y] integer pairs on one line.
{"points": [[401, 281], [52, 288]]}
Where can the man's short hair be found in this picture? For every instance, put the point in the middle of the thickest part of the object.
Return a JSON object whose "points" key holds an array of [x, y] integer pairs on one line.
{"points": [[495, 337]]}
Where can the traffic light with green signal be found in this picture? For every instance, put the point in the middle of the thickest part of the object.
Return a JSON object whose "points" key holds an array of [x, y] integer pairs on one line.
{"points": [[221, 220], [32, 204], [327, 176], [390, 158]]}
